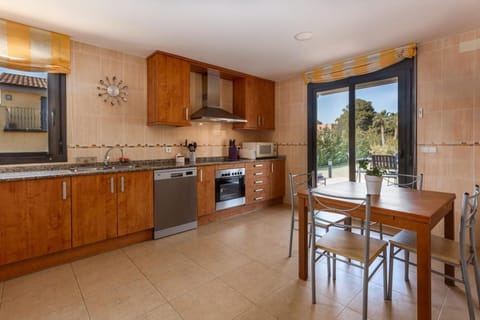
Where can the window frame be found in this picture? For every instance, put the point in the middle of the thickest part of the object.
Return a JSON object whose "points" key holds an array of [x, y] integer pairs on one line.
{"points": [[407, 127], [57, 127]]}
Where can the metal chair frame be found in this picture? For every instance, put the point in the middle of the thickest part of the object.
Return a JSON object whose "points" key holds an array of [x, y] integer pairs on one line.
{"points": [[357, 203], [303, 180], [467, 228]]}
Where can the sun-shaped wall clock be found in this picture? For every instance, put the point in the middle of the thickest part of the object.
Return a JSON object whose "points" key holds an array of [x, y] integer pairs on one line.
{"points": [[113, 92]]}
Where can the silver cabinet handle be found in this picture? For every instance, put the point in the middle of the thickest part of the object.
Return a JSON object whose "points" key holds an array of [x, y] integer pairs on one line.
{"points": [[258, 174], [186, 113], [258, 190], [122, 184], [112, 185], [201, 175], [64, 190], [258, 182], [52, 118], [258, 165], [272, 167], [258, 198]]}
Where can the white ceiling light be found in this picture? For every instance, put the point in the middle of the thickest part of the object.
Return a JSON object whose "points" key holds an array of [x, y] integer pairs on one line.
{"points": [[303, 36]]}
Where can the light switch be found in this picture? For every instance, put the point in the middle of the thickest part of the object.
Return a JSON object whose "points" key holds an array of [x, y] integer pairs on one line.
{"points": [[428, 149]]}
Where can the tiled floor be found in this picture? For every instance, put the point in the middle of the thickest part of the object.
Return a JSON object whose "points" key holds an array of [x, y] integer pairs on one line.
{"points": [[233, 269]]}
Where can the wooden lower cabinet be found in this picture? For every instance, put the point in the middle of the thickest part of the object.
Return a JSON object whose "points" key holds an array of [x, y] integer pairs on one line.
{"points": [[135, 201], [35, 218], [94, 208], [205, 190], [105, 206], [277, 178], [264, 180]]}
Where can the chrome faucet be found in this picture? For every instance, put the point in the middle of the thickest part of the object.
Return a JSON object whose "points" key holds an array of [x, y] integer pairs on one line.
{"points": [[106, 160]]}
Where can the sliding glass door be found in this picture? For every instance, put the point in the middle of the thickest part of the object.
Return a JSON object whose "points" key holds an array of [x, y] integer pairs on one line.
{"points": [[358, 117]]}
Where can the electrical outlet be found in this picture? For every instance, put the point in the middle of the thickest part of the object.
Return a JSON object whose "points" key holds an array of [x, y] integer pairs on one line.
{"points": [[168, 149]]}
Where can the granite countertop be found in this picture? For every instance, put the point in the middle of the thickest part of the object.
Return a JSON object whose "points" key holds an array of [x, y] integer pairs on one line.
{"points": [[73, 169]]}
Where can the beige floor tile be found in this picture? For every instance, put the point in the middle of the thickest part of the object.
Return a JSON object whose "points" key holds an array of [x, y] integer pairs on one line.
{"points": [[401, 307], [164, 312], [105, 270], [48, 294], [173, 274], [455, 306], [294, 301], [343, 289], [349, 314], [213, 256], [255, 313], [255, 281], [211, 301], [126, 301]]}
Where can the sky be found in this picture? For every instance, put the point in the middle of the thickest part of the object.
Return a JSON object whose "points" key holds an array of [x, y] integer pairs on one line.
{"points": [[383, 97], [33, 74]]}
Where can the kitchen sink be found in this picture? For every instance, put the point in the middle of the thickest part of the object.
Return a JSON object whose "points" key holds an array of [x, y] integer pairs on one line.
{"points": [[103, 168]]}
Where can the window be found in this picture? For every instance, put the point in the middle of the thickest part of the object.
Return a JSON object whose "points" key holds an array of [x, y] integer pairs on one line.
{"points": [[32, 117], [353, 118]]}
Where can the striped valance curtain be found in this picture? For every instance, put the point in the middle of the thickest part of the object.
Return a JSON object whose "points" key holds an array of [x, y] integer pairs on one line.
{"points": [[360, 65], [30, 49]]}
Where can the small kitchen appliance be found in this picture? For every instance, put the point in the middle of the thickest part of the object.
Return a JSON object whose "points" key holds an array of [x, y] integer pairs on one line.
{"points": [[261, 149]]}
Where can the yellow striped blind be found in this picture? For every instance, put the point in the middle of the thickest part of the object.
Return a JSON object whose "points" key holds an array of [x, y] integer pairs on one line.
{"points": [[31, 49], [360, 65]]}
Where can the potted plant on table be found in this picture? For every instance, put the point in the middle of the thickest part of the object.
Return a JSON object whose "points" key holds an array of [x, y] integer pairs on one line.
{"points": [[373, 176]]}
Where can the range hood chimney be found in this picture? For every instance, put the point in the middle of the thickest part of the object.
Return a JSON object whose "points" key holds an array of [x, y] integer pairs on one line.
{"points": [[211, 110]]}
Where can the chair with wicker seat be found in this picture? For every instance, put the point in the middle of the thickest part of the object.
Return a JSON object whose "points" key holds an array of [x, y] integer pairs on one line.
{"points": [[341, 244], [457, 254], [303, 181]]}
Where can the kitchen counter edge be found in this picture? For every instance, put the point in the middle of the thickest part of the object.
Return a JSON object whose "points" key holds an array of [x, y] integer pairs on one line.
{"points": [[65, 170]]}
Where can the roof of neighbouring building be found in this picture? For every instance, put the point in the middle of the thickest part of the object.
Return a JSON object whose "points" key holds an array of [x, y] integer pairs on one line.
{"points": [[21, 80]]}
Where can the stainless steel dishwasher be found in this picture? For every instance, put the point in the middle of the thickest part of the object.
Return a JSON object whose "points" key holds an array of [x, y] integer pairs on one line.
{"points": [[175, 201]]}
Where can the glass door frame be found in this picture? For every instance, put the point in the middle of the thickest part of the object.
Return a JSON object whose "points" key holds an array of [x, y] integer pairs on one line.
{"points": [[404, 71]]}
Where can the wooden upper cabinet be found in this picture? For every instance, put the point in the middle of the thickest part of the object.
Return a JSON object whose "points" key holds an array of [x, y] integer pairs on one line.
{"points": [[254, 100], [135, 201], [205, 190], [35, 218], [168, 90], [94, 208]]}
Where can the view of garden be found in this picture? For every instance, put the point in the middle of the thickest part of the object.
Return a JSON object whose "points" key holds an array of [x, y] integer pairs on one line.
{"points": [[375, 133]]}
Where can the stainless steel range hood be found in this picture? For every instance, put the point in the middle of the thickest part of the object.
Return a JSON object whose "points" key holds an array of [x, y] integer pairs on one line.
{"points": [[211, 110]]}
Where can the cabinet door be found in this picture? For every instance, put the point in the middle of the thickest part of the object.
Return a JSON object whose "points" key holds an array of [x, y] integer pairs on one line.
{"points": [[278, 178], [94, 208], [254, 100], [205, 190], [168, 90], [35, 218], [135, 201], [266, 103]]}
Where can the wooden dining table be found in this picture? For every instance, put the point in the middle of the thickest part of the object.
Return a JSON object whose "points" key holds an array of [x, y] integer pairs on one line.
{"points": [[403, 208]]}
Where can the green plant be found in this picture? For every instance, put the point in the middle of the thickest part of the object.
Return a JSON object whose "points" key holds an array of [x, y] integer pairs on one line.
{"points": [[369, 169]]}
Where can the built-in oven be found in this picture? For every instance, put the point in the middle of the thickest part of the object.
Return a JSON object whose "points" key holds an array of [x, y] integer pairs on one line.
{"points": [[229, 188]]}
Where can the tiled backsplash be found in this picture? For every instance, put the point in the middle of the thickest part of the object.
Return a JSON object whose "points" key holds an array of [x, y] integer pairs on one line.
{"points": [[94, 125]]}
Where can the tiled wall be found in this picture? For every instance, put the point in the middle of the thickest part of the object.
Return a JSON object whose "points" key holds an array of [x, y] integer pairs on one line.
{"points": [[93, 125], [448, 94], [448, 91]]}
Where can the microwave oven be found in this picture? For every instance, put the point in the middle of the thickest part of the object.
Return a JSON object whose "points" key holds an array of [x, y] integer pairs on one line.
{"points": [[261, 149]]}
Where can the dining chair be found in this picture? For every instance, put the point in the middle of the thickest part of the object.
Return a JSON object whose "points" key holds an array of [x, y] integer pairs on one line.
{"points": [[341, 244], [303, 181], [458, 254]]}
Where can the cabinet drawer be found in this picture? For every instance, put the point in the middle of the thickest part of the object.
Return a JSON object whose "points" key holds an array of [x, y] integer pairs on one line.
{"points": [[258, 193]]}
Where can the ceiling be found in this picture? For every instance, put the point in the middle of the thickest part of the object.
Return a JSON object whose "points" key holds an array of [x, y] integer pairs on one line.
{"points": [[252, 36]]}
